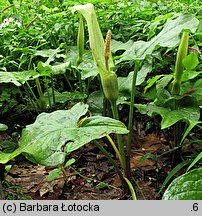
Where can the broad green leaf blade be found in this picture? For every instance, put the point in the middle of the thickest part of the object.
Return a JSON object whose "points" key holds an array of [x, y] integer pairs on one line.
{"points": [[190, 61], [187, 114], [168, 37], [185, 187], [142, 73], [118, 45], [95, 127], [5, 157], [17, 78], [43, 141], [46, 53], [60, 68], [87, 67], [48, 135], [188, 75], [125, 83], [47, 69], [170, 117], [95, 102], [48, 140], [52, 55], [151, 82]]}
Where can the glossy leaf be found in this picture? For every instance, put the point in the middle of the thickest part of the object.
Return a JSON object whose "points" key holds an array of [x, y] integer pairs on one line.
{"points": [[47, 69], [188, 75], [125, 83], [118, 45], [187, 114], [185, 187], [17, 78], [46, 53], [3, 127], [170, 117], [87, 67], [53, 135], [95, 127], [190, 61], [95, 102], [168, 37]]}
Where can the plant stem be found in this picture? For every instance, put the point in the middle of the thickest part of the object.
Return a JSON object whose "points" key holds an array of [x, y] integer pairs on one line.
{"points": [[91, 179], [132, 191], [53, 92], [41, 97], [37, 105], [119, 137], [49, 99], [68, 82], [80, 81], [140, 190], [108, 156], [130, 123], [115, 149]]}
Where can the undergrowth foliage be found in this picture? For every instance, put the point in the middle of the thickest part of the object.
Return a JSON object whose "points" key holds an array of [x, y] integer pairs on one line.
{"points": [[57, 69]]}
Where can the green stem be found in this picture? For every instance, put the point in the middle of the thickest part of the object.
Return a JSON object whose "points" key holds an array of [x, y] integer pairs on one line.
{"points": [[68, 82], [49, 99], [35, 105], [38, 85], [108, 156], [33, 95], [91, 179], [53, 92], [115, 149], [80, 81], [140, 190], [130, 123], [132, 191], [119, 137]]}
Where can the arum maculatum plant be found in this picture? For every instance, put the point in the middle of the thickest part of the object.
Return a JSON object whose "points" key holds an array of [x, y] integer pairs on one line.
{"points": [[103, 59], [179, 68]]}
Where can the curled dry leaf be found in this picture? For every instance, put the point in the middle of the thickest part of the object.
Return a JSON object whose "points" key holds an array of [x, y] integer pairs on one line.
{"points": [[151, 144], [34, 179]]}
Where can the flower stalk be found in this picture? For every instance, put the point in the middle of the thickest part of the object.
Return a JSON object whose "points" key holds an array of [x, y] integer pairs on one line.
{"points": [[80, 41], [103, 59]]}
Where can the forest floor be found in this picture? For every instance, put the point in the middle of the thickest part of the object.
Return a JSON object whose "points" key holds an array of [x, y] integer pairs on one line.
{"points": [[92, 177]]}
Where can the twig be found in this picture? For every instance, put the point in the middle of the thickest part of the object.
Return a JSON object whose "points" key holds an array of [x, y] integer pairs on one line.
{"points": [[6, 8], [28, 25]]}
